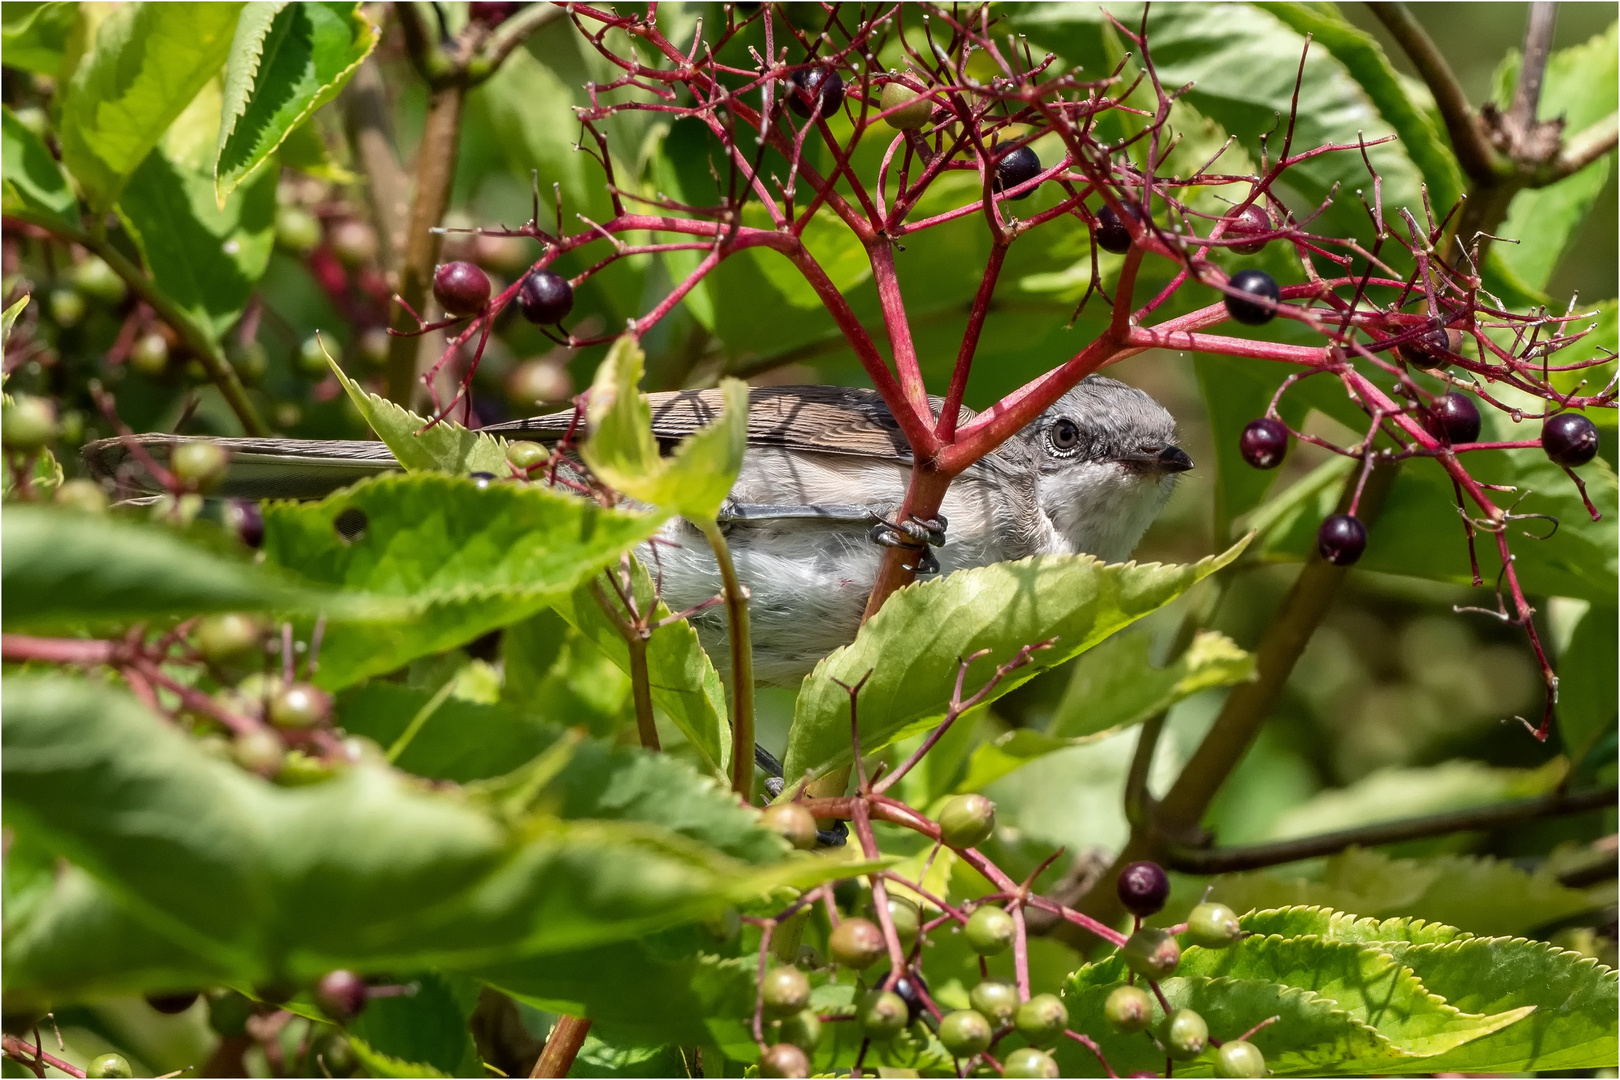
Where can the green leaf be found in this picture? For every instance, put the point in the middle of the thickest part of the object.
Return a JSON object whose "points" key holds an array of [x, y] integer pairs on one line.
{"points": [[1586, 700], [32, 184], [9, 317], [444, 447], [685, 685], [911, 647], [623, 453], [149, 61], [836, 249], [380, 1064], [552, 669], [61, 567], [459, 741], [427, 1027], [287, 61], [461, 560], [207, 259], [34, 36]]}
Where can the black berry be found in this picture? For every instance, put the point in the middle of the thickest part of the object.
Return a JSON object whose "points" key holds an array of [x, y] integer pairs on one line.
{"points": [[546, 298], [461, 288], [1252, 297], [1111, 233], [341, 994], [818, 87], [1143, 888], [1250, 221], [171, 1004], [1018, 167], [911, 988], [1429, 349], [482, 480], [1569, 439], [1456, 417], [246, 520], [1264, 442], [1341, 539]]}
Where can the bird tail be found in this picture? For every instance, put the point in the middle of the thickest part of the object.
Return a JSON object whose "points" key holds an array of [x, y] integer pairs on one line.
{"points": [[259, 468]]}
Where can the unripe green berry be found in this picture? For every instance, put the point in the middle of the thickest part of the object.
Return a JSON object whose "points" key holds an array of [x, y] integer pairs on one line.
{"points": [[1042, 1018], [260, 751], [299, 705], [1128, 1009], [883, 1015], [150, 354], [791, 821], [28, 423], [784, 1060], [965, 1032], [990, 930], [911, 108], [1214, 926], [1184, 1034], [1028, 1062], [526, 455], [67, 306], [856, 943], [907, 921], [95, 278], [226, 637], [249, 359], [311, 359], [200, 466], [785, 990], [297, 229], [108, 1066], [1240, 1060], [1152, 953], [996, 1000], [967, 821], [83, 495], [802, 1029]]}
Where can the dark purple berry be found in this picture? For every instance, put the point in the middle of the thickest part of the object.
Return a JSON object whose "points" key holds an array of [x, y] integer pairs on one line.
{"points": [[910, 987], [246, 520], [491, 12], [1429, 349], [341, 994], [1341, 539], [1018, 167], [1111, 233], [481, 480], [546, 298], [1252, 297], [1143, 888], [461, 288], [1569, 439], [172, 1003], [821, 87], [1251, 221], [1264, 442], [1455, 417]]}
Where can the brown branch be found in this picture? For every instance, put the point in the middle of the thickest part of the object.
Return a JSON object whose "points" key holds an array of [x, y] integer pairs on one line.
{"points": [[1533, 67], [1474, 152], [1583, 148], [562, 1046]]}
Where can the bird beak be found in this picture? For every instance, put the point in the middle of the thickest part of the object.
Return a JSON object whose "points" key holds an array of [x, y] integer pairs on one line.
{"points": [[1172, 459]]}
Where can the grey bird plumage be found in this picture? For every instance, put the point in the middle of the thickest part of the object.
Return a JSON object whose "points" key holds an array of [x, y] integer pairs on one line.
{"points": [[823, 464]]}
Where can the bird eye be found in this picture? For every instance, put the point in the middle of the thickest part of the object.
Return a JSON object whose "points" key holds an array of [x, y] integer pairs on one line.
{"points": [[1065, 434]]}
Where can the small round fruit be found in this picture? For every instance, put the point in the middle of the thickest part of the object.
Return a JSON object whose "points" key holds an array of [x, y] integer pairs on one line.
{"points": [[536, 381], [784, 1060], [990, 931], [297, 229], [1253, 297], [856, 943], [911, 108], [341, 994], [260, 751], [1455, 417], [28, 423], [1341, 539], [1214, 926], [1042, 1018], [108, 1066], [1111, 233], [883, 1015], [818, 88], [86, 496], [527, 455], [172, 1004], [67, 306], [1430, 349], [244, 518], [299, 706], [1184, 1034], [354, 243], [907, 921], [1026, 1061], [228, 1012], [965, 1032], [1240, 1060], [1569, 439], [1128, 1009], [910, 988], [200, 466], [802, 1029], [967, 821], [1264, 442], [150, 354], [1018, 167], [791, 821], [1251, 221], [96, 279], [785, 990], [492, 12], [249, 359], [1143, 888], [545, 298], [1152, 953], [461, 288], [996, 1000], [311, 358], [228, 637]]}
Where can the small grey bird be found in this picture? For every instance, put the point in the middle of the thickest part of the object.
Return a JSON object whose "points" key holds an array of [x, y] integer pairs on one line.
{"points": [[814, 505]]}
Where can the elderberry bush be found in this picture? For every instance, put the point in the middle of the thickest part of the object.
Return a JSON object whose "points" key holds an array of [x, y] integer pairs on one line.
{"points": [[328, 763]]}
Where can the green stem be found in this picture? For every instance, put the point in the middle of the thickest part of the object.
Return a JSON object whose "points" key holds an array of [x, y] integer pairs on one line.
{"points": [[742, 665], [635, 641]]}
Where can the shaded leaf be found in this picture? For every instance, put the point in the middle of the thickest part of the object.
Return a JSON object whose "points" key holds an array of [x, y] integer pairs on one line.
{"points": [[550, 667], [34, 36], [32, 183], [1586, 700], [427, 1027]]}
